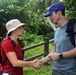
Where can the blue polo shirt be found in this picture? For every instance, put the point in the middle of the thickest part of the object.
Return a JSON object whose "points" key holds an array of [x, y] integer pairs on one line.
{"points": [[63, 44]]}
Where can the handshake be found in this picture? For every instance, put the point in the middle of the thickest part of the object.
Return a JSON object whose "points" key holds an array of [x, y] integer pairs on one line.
{"points": [[36, 64], [53, 56]]}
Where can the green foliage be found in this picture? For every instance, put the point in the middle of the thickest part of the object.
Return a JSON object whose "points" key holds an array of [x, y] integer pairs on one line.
{"points": [[31, 13], [29, 39], [44, 70], [71, 8]]}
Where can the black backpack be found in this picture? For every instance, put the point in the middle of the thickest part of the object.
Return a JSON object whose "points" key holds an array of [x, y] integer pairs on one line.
{"points": [[70, 30]]}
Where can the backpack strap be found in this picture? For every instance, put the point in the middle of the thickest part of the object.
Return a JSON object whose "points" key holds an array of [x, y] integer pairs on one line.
{"points": [[0, 55], [11, 41], [70, 30]]}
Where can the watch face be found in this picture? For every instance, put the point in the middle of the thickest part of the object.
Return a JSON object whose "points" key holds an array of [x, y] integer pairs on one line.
{"points": [[61, 56]]}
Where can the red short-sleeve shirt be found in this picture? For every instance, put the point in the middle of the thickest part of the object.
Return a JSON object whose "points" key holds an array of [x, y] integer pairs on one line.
{"points": [[7, 46]]}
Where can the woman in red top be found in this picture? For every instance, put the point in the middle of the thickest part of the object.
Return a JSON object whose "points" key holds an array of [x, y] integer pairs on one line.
{"points": [[12, 55]]}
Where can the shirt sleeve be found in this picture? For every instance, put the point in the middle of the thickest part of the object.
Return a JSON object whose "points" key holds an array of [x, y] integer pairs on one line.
{"points": [[7, 46], [54, 36]]}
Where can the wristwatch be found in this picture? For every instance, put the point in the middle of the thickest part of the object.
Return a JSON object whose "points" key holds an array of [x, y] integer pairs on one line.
{"points": [[61, 56]]}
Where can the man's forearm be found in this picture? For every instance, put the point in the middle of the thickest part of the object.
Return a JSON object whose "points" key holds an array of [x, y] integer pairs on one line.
{"points": [[69, 54], [45, 59]]}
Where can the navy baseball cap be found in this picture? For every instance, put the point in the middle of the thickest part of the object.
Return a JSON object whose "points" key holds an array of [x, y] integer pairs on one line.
{"points": [[54, 7]]}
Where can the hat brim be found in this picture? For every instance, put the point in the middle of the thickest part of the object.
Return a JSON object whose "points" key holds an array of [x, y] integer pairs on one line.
{"points": [[15, 28], [48, 13]]}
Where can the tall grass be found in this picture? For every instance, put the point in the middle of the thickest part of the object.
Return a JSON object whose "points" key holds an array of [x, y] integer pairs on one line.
{"points": [[44, 69]]}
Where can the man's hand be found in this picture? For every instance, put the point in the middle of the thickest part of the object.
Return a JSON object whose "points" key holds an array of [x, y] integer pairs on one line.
{"points": [[54, 56]]}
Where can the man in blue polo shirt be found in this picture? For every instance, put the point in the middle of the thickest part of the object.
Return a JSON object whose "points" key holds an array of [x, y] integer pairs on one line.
{"points": [[63, 53]]}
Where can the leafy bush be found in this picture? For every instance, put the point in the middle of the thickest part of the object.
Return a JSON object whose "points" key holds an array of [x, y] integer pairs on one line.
{"points": [[29, 39]]}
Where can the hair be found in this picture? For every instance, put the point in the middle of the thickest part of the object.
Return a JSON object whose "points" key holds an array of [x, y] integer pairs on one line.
{"points": [[62, 11], [9, 33]]}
